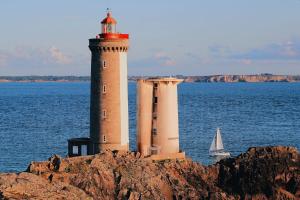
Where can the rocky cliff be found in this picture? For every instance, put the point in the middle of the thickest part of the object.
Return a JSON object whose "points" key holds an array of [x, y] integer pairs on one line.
{"points": [[260, 173], [243, 78]]}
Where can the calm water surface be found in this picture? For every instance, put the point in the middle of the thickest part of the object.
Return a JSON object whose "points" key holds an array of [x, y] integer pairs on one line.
{"points": [[36, 119]]}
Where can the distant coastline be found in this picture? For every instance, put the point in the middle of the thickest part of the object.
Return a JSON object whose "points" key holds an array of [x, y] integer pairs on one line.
{"points": [[44, 79], [190, 79]]}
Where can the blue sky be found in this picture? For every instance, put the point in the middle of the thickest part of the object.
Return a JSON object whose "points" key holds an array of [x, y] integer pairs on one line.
{"points": [[193, 37]]}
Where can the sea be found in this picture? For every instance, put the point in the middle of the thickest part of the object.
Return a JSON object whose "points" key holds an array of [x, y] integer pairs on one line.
{"points": [[37, 119]]}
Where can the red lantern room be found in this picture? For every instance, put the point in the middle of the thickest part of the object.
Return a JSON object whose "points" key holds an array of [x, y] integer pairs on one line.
{"points": [[109, 24], [109, 29]]}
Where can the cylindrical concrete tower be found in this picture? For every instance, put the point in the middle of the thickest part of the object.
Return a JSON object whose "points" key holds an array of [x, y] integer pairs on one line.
{"points": [[144, 116], [165, 98], [109, 89], [157, 117]]}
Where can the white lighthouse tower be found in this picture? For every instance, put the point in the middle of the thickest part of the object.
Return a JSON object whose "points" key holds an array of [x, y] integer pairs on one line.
{"points": [[109, 89]]}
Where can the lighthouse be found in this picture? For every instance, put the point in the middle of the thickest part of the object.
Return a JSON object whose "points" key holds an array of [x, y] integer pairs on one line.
{"points": [[109, 93], [109, 89]]}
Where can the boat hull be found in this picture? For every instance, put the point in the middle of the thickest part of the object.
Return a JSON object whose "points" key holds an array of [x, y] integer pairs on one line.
{"points": [[223, 154]]}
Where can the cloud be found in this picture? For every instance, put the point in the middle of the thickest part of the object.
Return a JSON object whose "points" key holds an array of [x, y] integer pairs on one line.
{"points": [[58, 56], [28, 60], [289, 50], [246, 61], [192, 55], [196, 58], [164, 59], [156, 63], [219, 50], [29, 56]]}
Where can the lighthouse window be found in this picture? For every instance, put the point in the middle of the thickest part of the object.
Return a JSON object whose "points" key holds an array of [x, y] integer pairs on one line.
{"points": [[154, 115], [154, 109], [104, 64], [104, 138], [109, 28], [155, 99], [104, 114], [104, 89], [154, 131]]}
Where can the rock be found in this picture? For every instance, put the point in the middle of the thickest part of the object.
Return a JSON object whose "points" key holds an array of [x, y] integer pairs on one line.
{"points": [[266, 170], [55, 162], [30, 186], [138, 155], [260, 173]]}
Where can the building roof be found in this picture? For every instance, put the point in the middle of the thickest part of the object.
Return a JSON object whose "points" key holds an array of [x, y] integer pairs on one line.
{"points": [[109, 19]]}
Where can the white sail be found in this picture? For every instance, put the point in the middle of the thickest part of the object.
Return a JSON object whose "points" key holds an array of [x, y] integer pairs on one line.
{"points": [[217, 143], [213, 146]]}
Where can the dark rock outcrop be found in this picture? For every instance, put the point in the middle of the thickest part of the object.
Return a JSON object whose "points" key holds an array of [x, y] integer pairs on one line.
{"points": [[260, 173], [271, 172]]}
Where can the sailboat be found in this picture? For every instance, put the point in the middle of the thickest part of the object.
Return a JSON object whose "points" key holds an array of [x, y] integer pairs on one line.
{"points": [[216, 147]]}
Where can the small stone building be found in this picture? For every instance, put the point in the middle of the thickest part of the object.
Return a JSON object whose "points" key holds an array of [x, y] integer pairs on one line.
{"points": [[78, 147]]}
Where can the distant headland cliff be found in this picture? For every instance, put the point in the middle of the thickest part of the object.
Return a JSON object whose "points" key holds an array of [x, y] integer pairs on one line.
{"points": [[237, 78], [190, 79], [260, 173]]}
